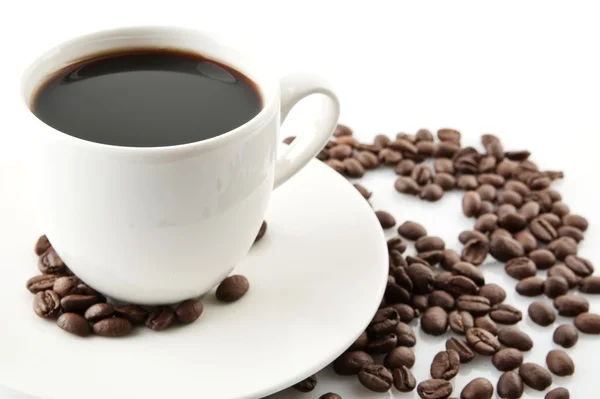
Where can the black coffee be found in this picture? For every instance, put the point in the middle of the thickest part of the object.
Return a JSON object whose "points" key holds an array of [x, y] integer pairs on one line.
{"points": [[146, 98]]}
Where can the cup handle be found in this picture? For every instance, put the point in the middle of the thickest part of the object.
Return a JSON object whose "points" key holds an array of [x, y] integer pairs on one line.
{"points": [[308, 144]]}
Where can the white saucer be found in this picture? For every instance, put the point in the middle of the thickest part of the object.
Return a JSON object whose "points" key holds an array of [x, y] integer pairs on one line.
{"points": [[315, 282]]}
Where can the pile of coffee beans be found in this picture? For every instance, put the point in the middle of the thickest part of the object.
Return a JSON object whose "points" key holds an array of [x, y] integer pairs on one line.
{"points": [[80, 310], [518, 219]]}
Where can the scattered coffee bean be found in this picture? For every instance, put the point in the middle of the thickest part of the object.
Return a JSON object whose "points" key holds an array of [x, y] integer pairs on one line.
{"points": [[520, 268], [406, 312], [487, 324], [486, 207], [189, 311], [384, 321], [468, 235], [580, 266], [330, 395], [388, 156], [505, 314], [42, 282], [529, 209], [482, 341], [510, 386], [350, 363], [50, 263], [307, 384], [411, 231], [493, 292], [475, 251], [434, 389], [570, 231], [512, 337], [445, 365], [542, 258], [450, 135], [505, 248], [562, 247], [429, 243], [398, 357], [588, 323], [460, 322], [232, 288], [564, 272], [543, 230], [405, 336], [560, 363], [542, 314], [342, 130], [376, 378], [576, 221], [590, 285], [112, 327], [422, 278], [441, 299], [507, 359], [99, 311], [479, 388], [515, 185], [530, 286], [467, 182], [527, 240], [471, 203], [367, 159], [476, 305], [565, 335], [353, 168], [135, 314], [340, 151], [404, 380], [500, 232], [360, 344], [434, 321], [67, 285], [513, 198], [78, 303], [386, 219], [449, 259], [382, 344], [571, 305], [486, 223], [404, 167], [535, 376], [362, 190], [42, 245], [73, 323], [465, 353], [555, 286], [558, 393], [160, 318], [460, 285]]}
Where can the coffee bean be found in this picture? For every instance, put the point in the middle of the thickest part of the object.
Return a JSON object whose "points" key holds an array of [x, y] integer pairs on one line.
{"points": [[78, 303], [566, 273], [74, 324], [426, 148], [542, 258], [405, 335], [42, 282], [434, 321], [450, 135], [482, 341], [530, 286], [434, 389], [460, 285], [446, 181], [542, 314], [406, 185], [398, 357], [517, 186], [50, 263], [515, 338], [410, 260], [486, 207], [468, 235], [423, 135], [576, 221], [471, 203], [404, 167], [479, 388], [406, 312], [590, 285], [396, 294], [46, 304], [67, 285], [363, 191], [558, 393], [560, 209], [376, 378], [529, 210], [396, 243], [382, 344], [507, 359], [306, 385], [443, 165], [588, 323], [384, 321], [570, 231], [342, 130], [386, 219], [422, 278], [441, 280], [135, 314], [445, 365], [460, 322], [450, 258], [511, 197], [505, 314], [474, 304], [404, 380], [99, 311], [432, 257], [188, 311], [542, 229], [42, 245], [487, 324], [571, 305], [367, 159], [421, 174], [112, 327], [520, 268], [381, 140], [350, 363], [360, 344], [475, 251], [388, 156], [555, 286], [486, 223], [510, 386], [330, 395], [340, 151], [527, 240], [441, 299], [563, 247], [517, 155], [347, 140], [403, 146], [232, 288], [512, 221], [160, 318], [566, 335], [542, 198], [467, 160], [353, 168], [493, 292], [289, 140], [468, 270], [493, 146], [467, 182], [429, 243], [560, 363], [505, 248], [500, 232], [461, 347], [580, 266], [551, 218], [535, 376], [492, 179]]}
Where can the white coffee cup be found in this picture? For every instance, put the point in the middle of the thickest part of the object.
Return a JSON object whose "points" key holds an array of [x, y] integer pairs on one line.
{"points": [[160, 225]]}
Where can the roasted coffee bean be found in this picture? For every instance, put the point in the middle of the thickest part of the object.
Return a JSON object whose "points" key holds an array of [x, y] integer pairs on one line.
{"points": [[360, 344], [404, 380], [323, 155], [342, 130], [160, 318], [506, 168], [467, 160], [404, 167], [562, 247], [530, 286], [510, 386], [367, 159], [394, 293], [398, 357], [432, 257], [434, 389], [429, 243], [571, 305], [493, 292], [486, 223], [529, 210], [384, 321], [386, 219], [67, 285], [482, 341], [460, 322], [450, 258], [78, 303], [340, 151], [486, 207], [135, 314], [555, 286], [336, 165], [520, 268], [445, 365], [381, 140], [363, 191], [350, 363], [542, 198], [558, 393], [512, 337], [307, 384], [353, 168], [50, 263], [505, 314], [479, 388], [511, 197], [422, 278], [467, 235], [493, 146], [487, 192], [542, 258], [590, 285], [560, 209], [492, 179], [447, 134], [468, 270], [395, 256], [588, 323], [396, 243], [112, 327], [406, 312], [42, 245], [42, 282], [566, 273], [402, 278], [232, 288], [446, 181], [405, 335], [443, 165], [382, 344], [500, 232], [411, 230], [580, 266], [487, 324], [542, 229], [512, 221], [527, 240], [330, 395], [461, 347], [289, 140], [376, 378], [189, 311], [467, 182], [471, 203], [535, 376], [565, 335], [460, 285], [507, 359], [423, 135], [46, 304], [421, 174], [542, 314], [570, 231], [99, 311], [388, 156], [576, 221], [505, 248], [441, 299], [434, 321], [403, 146], [474, 304], [560, 363], [517, 155], [475, 251], [406, 185], [73, 323], [517, 186]]}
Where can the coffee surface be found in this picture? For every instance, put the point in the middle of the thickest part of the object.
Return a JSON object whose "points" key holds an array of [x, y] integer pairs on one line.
{"points": [[146, 98]]}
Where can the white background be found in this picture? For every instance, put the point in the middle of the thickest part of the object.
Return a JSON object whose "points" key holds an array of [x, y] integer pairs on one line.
{"points": [[528, 71]]}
